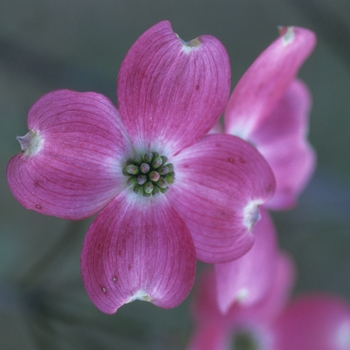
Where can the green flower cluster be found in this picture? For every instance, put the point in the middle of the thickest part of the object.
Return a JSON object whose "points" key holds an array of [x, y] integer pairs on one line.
{"points": [[149, 174]]}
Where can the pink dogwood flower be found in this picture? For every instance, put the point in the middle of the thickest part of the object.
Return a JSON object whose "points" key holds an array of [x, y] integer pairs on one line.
{"points": [[165, 191], [310, 321], [269, 108]]}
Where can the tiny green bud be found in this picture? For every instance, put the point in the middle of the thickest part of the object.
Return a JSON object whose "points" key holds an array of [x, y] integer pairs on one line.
{"points": [[141, 179], [132, 169], [162, 183], [156, 191], [148, 157], [138, 159], [163, 170], [170, 178], [164, 190], [138, 189], [148, 187], [154, 176], [157, 162], [170, 168], [144, 167], [131, 181]]}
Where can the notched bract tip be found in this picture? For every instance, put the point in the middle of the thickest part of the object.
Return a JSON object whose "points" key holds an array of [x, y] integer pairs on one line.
{"points": [[31, 143], [252, 214], [140, 295], [287, 33], [188, 46]]}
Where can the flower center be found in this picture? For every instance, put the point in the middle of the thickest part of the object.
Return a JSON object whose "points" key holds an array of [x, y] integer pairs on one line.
{"points": [[149, 174]]}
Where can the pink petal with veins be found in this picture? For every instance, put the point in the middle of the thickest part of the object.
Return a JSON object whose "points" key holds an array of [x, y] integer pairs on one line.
{"points": [[171, 92], [249, 278], [138, 250], [220, 183], [266, 81], [70, 165]]}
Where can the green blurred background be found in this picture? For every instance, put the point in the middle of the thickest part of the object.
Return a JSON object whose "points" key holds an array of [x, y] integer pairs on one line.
{"points": [[79, 44]]}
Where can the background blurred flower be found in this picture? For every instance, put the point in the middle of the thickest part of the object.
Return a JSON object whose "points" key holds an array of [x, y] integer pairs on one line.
{"points": [[309, 321], [270, 108], [248, 279], [250, 322]]}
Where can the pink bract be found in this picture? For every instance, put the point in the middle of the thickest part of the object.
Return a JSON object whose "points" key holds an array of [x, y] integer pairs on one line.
{"points": [[269, 108], [310, 321], [253, 319], [84, 156], [248, 279]]}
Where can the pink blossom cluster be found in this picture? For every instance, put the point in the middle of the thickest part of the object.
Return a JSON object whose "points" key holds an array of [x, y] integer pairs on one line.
{"points": [[170, 185]]}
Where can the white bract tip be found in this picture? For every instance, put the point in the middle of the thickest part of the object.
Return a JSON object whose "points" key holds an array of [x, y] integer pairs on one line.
{"points": [[288, 36], [140, 295], [188, 46], [251, 214], [31, 143], [242, 295]]}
